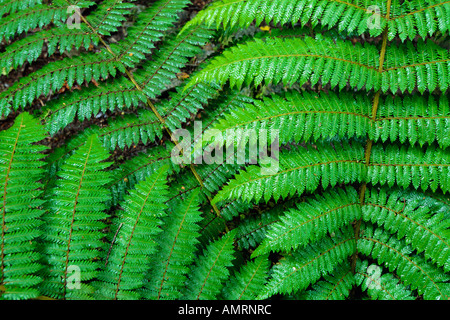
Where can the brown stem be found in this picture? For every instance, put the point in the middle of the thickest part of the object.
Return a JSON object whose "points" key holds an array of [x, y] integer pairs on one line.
{"points": [[368, 148]]}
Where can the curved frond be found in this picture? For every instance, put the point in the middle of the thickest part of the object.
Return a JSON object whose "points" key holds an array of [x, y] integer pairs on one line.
{"points": [[211, 270], [73, 225], [296, 271], [136, 227], [413, 270], [176, 249], [21, 207]]}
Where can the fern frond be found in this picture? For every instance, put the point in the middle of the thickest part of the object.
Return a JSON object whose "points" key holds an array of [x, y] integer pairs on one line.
{"points": [[155, 75], [350, 16], [338, 63], [245, 284], [296, 271], [311, 116], [406, 20], [21, 207], [104, 19], [211, 270], [176, 249], [8, 7], [73, 225], [118, 95], [55, 75], [334, 286], [419, 17], [109, 16], [311, 221], [37, 17], [412, 269], [291, 60], [416, 119], [130, 130], [425, 67], [183, 104], [411, 216], [150, 27], [252, 231], [380, 287], [300, 170], [138, 168], [424, 168], [137, 226]]}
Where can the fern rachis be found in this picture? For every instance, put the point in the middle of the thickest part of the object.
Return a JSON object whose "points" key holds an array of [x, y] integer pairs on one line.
{"points": [[358, 207]]}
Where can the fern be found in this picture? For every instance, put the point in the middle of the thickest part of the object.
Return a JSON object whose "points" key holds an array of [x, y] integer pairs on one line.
{"points": [[21, 171], [97, 205], [136, 228], [211, 270], [177, 246], [73, 224]]}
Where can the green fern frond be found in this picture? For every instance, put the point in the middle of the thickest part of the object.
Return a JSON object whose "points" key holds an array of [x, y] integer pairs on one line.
{"points": [[425, 66], [245, 284], [138, 168], [73, 225], [183, 104], [419, 17], [109, 16], [411, 216], [301, 169], [311, 221], [312, 116], [406, 20], [55, 75], [334, 286], [211, 270], [104, 19], [150, 27], [424, 168], [252, 231], [351, 16], [412, 269], [378, 286], [135, 229], [8, 7], [21, 207], [297, 270], [176, 249], [169, 60], [335, 62], [37, 17], [291, 60]]}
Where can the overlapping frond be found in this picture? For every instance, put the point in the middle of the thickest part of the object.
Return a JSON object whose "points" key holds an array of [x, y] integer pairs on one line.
{"points": [[312, 220], [302, 169], [176, 249], [133, 239], [312, 116], [291, 60], [211, 270], [406, 20], [380, 286], [334, 286], [36, 16], [412, 269], [106, 18], [336, 62], [414, 217], [245, 284], [298, 270], [21, 170], [72, 232]]}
